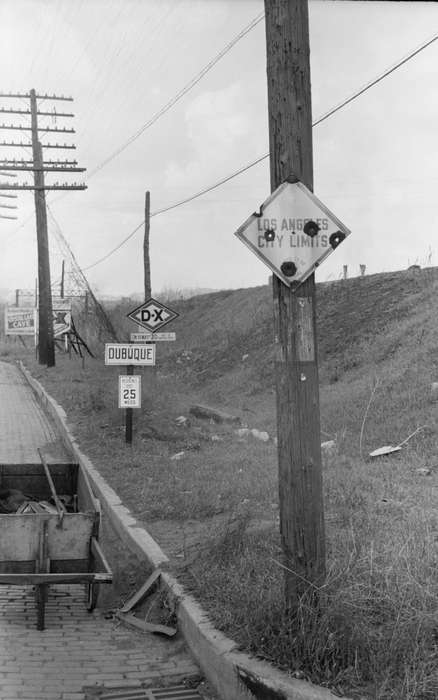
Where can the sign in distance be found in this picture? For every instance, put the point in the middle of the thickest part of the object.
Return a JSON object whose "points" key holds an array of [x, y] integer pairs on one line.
{"points": [[152, 315], [129, 354], [151, 337], [293, 232], [20, 321], [129, 391]]}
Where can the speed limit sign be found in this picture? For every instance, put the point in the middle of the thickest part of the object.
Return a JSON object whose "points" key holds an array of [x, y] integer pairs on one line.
{"points": [[129, 391]]}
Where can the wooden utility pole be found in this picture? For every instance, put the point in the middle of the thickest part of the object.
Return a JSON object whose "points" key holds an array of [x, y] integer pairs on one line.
{"points": [[46, 345], [298, 419], [146, 258]]}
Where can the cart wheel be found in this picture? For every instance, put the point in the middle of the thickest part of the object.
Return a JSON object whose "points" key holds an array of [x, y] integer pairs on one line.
{"points": [[92, 595], [41, 597]]}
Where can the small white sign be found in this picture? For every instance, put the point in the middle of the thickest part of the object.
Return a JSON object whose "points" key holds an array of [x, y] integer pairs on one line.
{"points": [[293, 232], [129, 391], [151, 337], [129, 354]]}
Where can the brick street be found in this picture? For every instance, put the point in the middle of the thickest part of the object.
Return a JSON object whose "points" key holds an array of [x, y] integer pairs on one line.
{"points": [[77, 649]]}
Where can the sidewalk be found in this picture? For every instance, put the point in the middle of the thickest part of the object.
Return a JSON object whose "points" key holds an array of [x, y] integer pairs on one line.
{"points": [[77, 650], [23, 426]]}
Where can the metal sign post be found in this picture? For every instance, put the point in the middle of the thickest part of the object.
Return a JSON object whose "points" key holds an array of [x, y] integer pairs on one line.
{"points": [[129, 412], [129, 355]]}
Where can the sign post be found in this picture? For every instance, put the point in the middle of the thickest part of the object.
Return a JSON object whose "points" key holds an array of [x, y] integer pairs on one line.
{"points": [[293, 233], [129, 412], [298, 420], [129, 398], [129, 355]]}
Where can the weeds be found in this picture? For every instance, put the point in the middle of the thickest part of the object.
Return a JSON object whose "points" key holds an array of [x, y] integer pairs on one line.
{"points": [[374, 630]]}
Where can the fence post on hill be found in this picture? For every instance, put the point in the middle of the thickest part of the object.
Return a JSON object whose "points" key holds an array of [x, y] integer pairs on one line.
{"points": [[61, 292], [146, 258], [298, 419]]}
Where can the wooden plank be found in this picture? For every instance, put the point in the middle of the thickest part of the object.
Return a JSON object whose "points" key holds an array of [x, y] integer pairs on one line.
{"points": [[86, 499], [99, 556], [146, 626], [19, 540], [17, 567], [35, 579], [142, 592]]}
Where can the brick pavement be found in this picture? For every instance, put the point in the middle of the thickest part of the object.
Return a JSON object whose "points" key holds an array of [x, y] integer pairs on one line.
{"points": [[77, 648], [23, 426]]}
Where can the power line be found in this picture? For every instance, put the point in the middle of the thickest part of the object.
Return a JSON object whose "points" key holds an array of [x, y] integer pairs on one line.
{"points": [[194, 81], [243, 169], [376, 80], [178, 204]]}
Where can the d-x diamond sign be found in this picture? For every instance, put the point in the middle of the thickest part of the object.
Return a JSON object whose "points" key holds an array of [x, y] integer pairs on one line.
{"points": [[152, 315]]}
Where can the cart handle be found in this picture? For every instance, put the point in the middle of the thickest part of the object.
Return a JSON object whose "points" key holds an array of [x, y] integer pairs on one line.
{"points": [[59, 507]]}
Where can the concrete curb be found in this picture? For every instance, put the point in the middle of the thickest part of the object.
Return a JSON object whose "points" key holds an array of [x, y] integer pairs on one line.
{"points": [[235, 675]]}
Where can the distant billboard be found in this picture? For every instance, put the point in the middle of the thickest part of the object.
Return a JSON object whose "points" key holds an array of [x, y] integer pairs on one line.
{"points": [[61, 317], [24, 320], [20, 321]]}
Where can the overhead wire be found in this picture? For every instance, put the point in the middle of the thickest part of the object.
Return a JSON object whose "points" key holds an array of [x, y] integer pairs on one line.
{"points": [[381, 77], [127, 65], [243, 169], [194, 81], [177, 204]]}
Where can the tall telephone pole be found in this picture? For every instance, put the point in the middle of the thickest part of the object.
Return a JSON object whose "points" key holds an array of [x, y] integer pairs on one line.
{"points": [[146, 258], [298, 419], [46, 345]]}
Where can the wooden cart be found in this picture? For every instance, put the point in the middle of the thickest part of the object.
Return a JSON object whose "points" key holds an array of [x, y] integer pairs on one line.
{"points": [[46, 548]]}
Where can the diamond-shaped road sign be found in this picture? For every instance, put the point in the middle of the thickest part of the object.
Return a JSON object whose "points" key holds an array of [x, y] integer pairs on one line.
{"points": [[152, 315], [293, 233]]}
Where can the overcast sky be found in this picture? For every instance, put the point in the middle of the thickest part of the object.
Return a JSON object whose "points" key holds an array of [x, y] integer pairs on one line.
{"points": [[375, 161]]}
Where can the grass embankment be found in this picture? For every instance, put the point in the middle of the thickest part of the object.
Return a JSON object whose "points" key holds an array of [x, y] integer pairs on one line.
{"points": [[376, 632]]}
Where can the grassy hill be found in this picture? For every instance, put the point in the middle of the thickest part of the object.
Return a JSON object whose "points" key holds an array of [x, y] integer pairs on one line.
{"points": [[375, 635], [378, 328]]}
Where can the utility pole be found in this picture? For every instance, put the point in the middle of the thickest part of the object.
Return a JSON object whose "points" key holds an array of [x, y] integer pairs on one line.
{"points": [[46, 345], [146, 258], [298, 418]]}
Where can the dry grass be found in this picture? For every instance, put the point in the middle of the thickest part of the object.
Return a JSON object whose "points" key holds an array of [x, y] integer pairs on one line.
{"points": [[375, 632]]}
